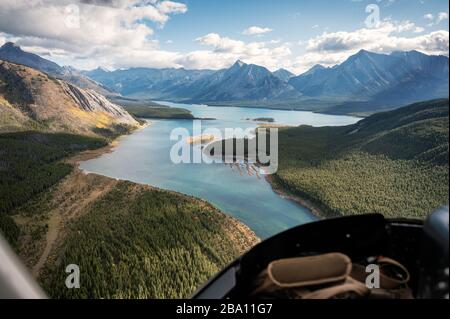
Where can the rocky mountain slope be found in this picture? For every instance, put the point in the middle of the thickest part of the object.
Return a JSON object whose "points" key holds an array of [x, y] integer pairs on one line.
{"points": [[365, 82], [13, 53], [242, 82], [30, 99], [401, 77], [283, 74], [148, 82]]}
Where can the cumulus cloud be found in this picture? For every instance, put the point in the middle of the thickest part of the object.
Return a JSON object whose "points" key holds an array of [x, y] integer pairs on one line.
{"points": [[222, 44], [225, 51], [328, 49], [429, 16], [383, 39], [442, 16], [107, 31], [419, 30], [256, 30], [332, 48], [168, 7], [121, 34], [435, 19]]}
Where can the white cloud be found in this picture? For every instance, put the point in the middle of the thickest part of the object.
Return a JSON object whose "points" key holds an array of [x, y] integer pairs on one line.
{"points": [[168, 7], [256, 30], [222, 44], [429, 16], [120, 34], [419, 30], [225, 51], [382, 39], [332, 48], [115, 33], [442, 16], [435, 19]]}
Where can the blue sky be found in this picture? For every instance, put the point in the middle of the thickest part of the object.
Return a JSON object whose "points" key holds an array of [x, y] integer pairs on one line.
{"points": [[293, 34], [291, 20]]}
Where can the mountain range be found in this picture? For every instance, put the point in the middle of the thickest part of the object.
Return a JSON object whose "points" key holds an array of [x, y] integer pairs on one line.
{"points": [[398, 78], [283, 74], [364, 83], [241, 82]]}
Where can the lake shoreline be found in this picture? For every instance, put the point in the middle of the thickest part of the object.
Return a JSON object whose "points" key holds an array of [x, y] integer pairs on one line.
{"points": [[95, 153], [267, 107], [233, 223], [253, 202], [315, 209]]}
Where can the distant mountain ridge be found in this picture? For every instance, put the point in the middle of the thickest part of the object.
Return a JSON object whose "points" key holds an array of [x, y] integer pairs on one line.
{"points": [[13, 53], [368, 75], [283, 74], [242, 82], [155, 83], [366, 82]]}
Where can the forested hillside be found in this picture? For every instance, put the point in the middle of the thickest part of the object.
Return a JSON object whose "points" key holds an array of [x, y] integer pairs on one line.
{"points": [[130, 241], [394, 163], [139, 242], [29, 165]]}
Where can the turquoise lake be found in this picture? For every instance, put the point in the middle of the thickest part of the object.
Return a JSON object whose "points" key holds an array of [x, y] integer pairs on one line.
{"points": [[144, 157]]}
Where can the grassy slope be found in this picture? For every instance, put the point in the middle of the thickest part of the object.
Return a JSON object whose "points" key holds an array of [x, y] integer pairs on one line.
{"points": [[394, 163]]}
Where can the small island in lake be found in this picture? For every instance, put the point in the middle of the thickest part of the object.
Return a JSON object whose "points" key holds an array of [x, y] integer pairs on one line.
{"points": [[263, 119]]}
